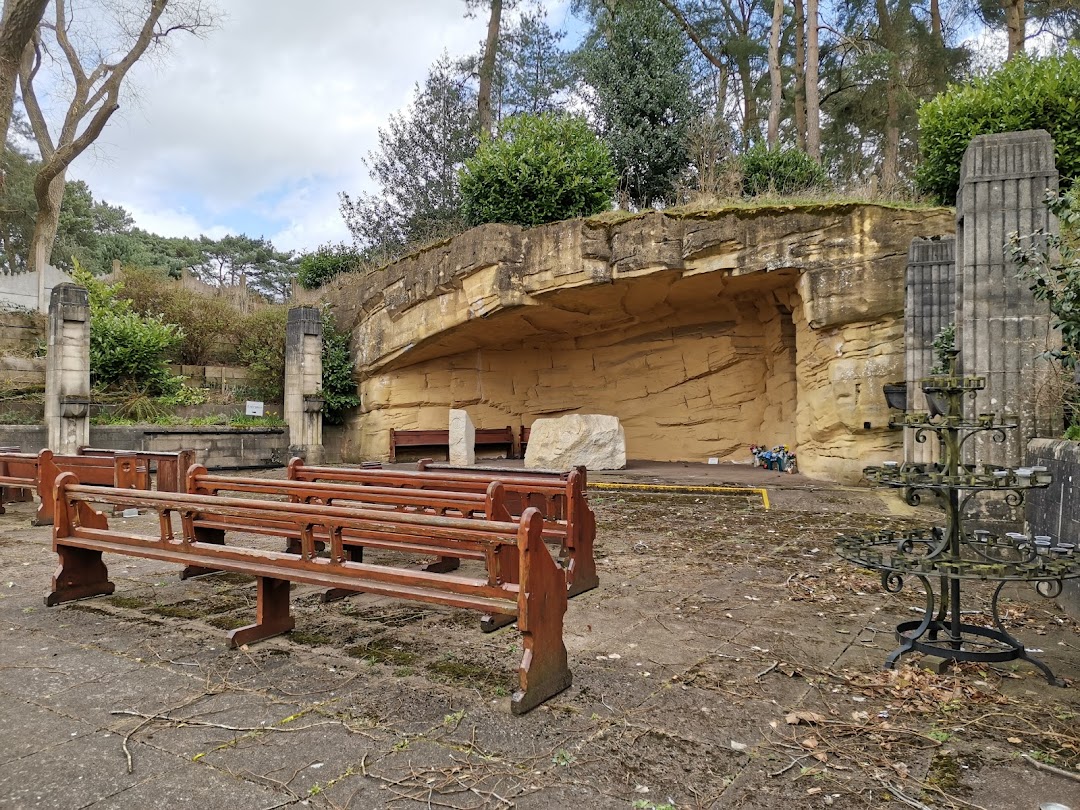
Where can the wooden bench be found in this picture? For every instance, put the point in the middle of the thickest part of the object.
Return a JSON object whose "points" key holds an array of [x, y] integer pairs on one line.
{"points": [[523, 441], [38, 472], [538, 598], [560, 497], [485, 437], [169, 467], [486, 505]]}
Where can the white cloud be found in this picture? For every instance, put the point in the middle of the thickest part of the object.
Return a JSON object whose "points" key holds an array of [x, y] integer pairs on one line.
{"points": [[285, 98]]}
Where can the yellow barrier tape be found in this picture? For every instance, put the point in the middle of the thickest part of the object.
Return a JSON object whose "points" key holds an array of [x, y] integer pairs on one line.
{"points": [[764, 493]]}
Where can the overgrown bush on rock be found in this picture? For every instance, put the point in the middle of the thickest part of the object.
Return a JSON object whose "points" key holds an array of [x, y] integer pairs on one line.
{"points": [[778, 171], [1025, 93], [318, 267], [541, 168]]}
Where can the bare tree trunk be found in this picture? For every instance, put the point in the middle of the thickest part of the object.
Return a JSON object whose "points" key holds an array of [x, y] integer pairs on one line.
{"points": [[935, 23], [813, 112], [94, 99], [487, 70], [750, 106], [1016, 23], [800, 75], [21, 18], [890, 158], [775, 86], [49, 200]]}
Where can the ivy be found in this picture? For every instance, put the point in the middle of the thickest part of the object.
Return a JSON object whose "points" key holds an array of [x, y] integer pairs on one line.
{"points": [[338, 384]]}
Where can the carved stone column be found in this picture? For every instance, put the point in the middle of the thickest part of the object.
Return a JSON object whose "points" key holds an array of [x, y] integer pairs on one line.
{"points": [[303, 382], [67, 370]]}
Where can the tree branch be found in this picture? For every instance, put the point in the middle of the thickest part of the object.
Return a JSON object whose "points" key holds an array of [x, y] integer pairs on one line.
{"points": [[695, 37]]}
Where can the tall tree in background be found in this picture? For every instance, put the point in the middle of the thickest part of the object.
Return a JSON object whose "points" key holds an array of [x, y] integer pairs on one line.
{"points": [[535, 70], [635, 64], [416, 168], [775, 80], [95, 90], [487, 65], [887, 56], [1058, 19], [20, 21], [813, 61]]}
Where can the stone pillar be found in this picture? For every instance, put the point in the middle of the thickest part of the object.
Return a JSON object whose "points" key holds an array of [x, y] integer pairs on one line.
{"points": [[931, 305], [303, 382], [462, 439], [1001, 329], [67, 370]]}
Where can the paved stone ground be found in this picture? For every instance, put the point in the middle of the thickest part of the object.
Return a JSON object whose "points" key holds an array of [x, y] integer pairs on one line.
{"points": [[714, 621]]}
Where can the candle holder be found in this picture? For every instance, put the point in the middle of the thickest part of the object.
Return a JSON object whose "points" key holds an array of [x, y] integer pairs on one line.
{"points": [[946, 556]]}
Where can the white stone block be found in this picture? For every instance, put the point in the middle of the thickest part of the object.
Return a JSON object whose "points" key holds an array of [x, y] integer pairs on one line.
{"points": [[594, 441], [462, 439]]}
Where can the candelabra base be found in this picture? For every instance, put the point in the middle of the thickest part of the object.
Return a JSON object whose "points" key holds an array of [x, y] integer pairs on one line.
{"points": [[973, 643]]}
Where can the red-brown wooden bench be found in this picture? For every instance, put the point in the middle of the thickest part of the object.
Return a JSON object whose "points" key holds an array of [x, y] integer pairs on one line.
{"points": [[485, 505], [169, 467], [38, 472], [561, 498], [485, 437], [538, 598]]}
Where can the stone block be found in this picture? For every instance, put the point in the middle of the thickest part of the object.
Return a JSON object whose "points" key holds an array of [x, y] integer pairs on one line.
{"points": [[594, 441], [462, 439]]}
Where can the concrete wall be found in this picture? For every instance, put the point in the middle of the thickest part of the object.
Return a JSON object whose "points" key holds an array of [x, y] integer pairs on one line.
{"points": [[1056, 510], [216, 447], [1001, 330], [931, 305], [21, 289]]}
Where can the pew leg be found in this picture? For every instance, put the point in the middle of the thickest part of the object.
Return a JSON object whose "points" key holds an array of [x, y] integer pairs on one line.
{"points": [[508, 569], [581, 571], [443, 565], [541, 608], [353, 554], [81, 573], [271, 613], [203, 535]]}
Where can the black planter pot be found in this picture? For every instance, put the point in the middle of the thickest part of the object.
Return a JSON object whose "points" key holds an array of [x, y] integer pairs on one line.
{"points": [[937, 403], [895, 395]]}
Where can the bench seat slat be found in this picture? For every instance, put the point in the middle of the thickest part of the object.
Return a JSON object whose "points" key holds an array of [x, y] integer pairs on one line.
{"points": [[318, 571], [371, 579]]}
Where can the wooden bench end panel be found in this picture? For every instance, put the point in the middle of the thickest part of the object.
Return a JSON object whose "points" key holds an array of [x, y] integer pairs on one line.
{"points": [[541, 609]]}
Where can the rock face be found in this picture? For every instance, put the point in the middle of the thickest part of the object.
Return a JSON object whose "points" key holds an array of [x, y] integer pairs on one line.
{"points": [[462, 439], [580, 440], [701, 333]]}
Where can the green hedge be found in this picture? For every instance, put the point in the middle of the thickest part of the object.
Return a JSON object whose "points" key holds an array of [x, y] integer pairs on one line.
{"points": [[1025, 93], [541, 168], [779, 171]]}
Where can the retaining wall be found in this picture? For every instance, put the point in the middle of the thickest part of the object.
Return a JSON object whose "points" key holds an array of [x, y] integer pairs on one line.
{"points": [[216, 447]]}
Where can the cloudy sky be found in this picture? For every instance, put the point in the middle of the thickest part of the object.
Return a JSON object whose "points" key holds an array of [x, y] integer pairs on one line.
{"points": [[257, 127]]}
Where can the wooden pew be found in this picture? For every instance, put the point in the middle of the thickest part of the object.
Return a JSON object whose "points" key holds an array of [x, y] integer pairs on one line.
{"points": [[38, 472], [81, 535], [18, 476], [568, 519], [485, 437], [170, 467], [486, 505]]}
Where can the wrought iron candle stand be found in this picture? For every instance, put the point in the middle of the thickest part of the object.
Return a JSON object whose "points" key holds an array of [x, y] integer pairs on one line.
{"points": [[951, 554]]}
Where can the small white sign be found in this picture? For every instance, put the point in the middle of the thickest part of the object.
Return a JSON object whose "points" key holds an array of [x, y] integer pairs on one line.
{"points": [[713, 460], [253, 408]]}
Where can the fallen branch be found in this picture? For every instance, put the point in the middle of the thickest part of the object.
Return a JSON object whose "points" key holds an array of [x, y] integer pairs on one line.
{"points": [[1042, 766]]}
